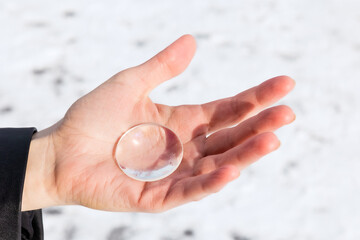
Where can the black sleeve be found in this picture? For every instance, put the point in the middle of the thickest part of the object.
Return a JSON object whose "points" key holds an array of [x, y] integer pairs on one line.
{"points": [[14, 224]]}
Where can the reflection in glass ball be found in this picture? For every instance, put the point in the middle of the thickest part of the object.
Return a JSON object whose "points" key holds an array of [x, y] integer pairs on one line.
{"points": [[149, 152]]}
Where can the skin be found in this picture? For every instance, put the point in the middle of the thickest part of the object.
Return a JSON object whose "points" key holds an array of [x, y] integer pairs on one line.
{"points": [[72, 162]]}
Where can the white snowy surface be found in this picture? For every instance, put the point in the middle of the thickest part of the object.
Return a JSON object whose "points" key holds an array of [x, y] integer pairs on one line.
{"points": [[53, 52]]}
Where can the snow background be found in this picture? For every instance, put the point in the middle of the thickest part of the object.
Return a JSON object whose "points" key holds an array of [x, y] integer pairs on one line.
{"points": [[53, 52]]}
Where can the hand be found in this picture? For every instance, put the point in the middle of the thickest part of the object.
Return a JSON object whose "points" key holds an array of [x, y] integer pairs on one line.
{"points": [[76, 155]]}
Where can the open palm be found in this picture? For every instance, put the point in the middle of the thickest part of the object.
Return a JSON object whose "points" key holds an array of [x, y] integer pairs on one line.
{"points": [[84, 140]]}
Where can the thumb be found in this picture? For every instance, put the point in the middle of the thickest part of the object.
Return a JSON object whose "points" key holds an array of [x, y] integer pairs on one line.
{"points": [[167, 64]]}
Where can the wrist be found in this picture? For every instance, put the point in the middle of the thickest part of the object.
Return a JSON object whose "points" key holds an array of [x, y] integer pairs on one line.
{"points": [[39, 187]]}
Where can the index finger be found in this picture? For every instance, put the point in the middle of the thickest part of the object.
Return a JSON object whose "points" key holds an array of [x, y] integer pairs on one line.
{"points": [[230, 111]]}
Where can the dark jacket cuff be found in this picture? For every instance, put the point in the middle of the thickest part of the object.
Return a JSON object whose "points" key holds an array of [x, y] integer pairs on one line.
{"points": [[14, 224]]}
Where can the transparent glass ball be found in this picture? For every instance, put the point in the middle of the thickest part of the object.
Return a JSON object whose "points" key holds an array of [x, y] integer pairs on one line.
{"points": [[149, 152]]}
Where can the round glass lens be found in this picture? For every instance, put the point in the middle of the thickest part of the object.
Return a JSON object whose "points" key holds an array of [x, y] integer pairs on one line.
{"points": [[149, 152]]}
